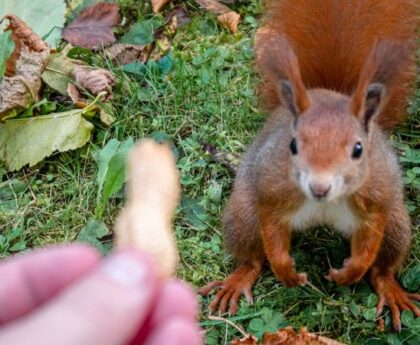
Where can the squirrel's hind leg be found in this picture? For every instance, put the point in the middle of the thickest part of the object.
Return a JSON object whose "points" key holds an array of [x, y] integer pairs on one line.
{"points": [[239, 283], [390, 293], [395, 244]]}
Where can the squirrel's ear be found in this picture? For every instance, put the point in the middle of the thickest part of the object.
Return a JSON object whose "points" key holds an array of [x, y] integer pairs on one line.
{"points": [[279, 66], [380, 73], [287, 98], [372, 103]]}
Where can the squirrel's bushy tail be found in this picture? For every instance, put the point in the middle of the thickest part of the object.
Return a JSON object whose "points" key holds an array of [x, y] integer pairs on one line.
{"points": [[334, 43]]}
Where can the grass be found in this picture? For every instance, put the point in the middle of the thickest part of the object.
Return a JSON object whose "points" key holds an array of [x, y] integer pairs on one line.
{"points": [[207, 99]]}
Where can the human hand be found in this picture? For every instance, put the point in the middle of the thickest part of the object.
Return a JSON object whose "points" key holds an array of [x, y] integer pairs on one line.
{"points": [[68, 295]]}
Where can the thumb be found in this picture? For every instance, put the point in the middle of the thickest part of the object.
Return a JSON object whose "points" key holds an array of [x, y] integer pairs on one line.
{"points": [[106, 307]]}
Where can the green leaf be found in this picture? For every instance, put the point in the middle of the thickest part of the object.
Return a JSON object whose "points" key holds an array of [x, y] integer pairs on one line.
{"points": [[45, 18], [59, 71], [392, 339], [416, 323], [165, 64], [92, 232], [10, 188], [29, 140], [407, 318], [411, 278], [215, 192], [141, 33], [18, 247], [372, 300], [13, 234], [256, 325], [106, 155], [6, 48], [106, 117], [370, 314], [115, 177], [137, 69], [354, 308], [194, 212]]}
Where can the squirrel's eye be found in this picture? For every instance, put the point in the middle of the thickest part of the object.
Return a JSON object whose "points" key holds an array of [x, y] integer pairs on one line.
{"points": [[357, 150], [293, 147]]}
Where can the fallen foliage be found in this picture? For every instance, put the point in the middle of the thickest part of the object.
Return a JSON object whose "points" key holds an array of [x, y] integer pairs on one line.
{"points": [[47, 134], [229, 20], [22, 35], [94, 80], [226, 17], [45, 18], [287, 336], [93, 27], [213, 6], [59, 70], [230, 160], [124, 53], [158, 4], [248, 339], [22, 84]]}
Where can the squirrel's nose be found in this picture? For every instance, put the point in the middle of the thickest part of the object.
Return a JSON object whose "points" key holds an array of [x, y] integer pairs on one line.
{"points": [[319, 190]]}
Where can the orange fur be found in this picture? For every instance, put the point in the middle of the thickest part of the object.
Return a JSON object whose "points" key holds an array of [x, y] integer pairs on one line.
{"points": [[276, 236], [340, 70], [365, 245], [332, 40]]}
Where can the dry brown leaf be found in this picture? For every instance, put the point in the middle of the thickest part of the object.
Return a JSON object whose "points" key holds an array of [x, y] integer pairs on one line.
{"points": [[21, 89], [76, 97], [152, 194], [94, 80], [177, 18], [230, 160], [93, 27], [124, 53], [287, 336], [21, 35], [230, 20], [213, 6], [158, 4], [249, 339], [226, 17]]}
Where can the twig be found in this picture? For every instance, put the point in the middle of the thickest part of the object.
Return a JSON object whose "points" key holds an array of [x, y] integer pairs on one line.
{"points": [[219, 318]]}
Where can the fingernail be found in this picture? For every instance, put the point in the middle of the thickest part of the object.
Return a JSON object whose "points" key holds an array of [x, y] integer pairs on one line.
{"points": [[127, 270]]}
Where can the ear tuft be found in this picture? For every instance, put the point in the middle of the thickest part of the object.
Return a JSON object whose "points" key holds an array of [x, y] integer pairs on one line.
{"points": [[375, 95], [381, 72], [278, 64], [286, 96]]}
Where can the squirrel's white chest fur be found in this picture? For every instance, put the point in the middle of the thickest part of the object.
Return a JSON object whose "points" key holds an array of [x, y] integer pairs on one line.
{"points": [[336, 214]]}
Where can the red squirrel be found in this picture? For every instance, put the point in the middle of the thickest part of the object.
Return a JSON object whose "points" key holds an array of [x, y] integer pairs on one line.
{"points": [[336, 74]]}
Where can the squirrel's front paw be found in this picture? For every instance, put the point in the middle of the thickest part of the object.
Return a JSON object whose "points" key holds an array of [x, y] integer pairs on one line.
{"points": [[291, 279], [346, 275]]}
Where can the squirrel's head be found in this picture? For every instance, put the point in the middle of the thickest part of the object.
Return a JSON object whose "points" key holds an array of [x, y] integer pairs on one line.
{"points": [[331, 131], [331, 142]]}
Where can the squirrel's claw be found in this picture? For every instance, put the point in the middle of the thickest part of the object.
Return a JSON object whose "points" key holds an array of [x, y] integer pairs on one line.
{"points": [[346, 275], [206, 290], [238, 283], [294, 279], [393, 296], [229, 294]]}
